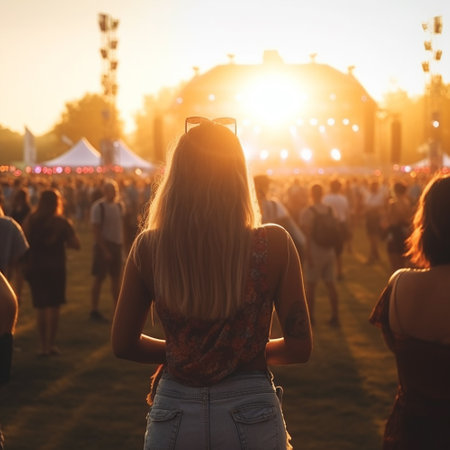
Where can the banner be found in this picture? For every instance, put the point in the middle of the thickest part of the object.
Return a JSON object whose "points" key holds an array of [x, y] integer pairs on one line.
{"points": [[29, 148]]}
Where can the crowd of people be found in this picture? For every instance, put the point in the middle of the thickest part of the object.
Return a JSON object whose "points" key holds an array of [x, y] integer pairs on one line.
{"points": [[264, 243]]}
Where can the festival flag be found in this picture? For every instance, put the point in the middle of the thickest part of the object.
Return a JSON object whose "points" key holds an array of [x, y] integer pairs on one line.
{"points": [[29, 148]]}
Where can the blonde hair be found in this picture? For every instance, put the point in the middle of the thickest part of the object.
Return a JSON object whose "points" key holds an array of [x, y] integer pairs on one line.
{"points": [[200, 225]]}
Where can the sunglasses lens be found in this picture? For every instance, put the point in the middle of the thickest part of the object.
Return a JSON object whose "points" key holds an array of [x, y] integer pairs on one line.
{"points": [[197, 120], [228, 122]]}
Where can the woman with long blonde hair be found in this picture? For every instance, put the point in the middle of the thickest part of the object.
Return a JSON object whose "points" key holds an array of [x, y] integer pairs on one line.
{"points": [[214, 275]]}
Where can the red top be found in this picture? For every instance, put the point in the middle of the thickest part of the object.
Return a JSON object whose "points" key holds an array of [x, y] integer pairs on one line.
{"points": [[202, 352]]}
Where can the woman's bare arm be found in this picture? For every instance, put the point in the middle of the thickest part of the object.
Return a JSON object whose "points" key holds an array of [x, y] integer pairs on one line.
{"points": [[296, 344], [133, 306]]}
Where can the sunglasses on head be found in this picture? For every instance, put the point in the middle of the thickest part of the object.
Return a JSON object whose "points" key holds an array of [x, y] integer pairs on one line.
{"points": [[193, 121]]}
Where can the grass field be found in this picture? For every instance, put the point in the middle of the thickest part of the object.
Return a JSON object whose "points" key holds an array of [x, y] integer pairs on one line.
{"points": [[87, 399]]}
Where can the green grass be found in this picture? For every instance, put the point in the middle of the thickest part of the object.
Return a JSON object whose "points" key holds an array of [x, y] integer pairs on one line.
{"points": [[87, 399]]}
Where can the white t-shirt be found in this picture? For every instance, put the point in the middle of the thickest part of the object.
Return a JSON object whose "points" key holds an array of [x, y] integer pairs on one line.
{"points": [[340, 205], [111, 223]]}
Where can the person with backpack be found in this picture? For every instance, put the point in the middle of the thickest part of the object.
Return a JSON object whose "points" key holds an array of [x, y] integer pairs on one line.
{"points": [[107, 224], [340, 204], [320, 226]]}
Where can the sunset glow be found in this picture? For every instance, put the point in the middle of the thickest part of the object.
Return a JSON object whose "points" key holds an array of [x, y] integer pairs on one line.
{"points": [[273, 98], [50, 50]]}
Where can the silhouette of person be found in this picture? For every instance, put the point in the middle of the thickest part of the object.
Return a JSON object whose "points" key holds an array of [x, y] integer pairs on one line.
{"points": [[319, 261], [214, 274], [107, 224], [399, 218], [49, 233], [8, 318], [414, 315]]}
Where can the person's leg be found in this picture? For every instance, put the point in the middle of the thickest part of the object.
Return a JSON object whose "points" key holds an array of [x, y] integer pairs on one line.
{"points": [[41, 322], [373, 248], [340, 274], [334, 302], [95, 292], [52, 322]]}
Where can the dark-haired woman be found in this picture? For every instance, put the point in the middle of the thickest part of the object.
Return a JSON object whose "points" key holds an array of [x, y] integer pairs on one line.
{"points": [[414, 314], [48, 233], [399, 218]]}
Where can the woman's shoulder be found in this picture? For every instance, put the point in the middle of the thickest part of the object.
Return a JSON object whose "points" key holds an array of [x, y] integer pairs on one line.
{"points": [[273, 232], [277, 239]]}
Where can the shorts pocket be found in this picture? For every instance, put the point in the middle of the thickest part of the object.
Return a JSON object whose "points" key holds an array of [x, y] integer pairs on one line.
{"points": [[258, 427], [162, 428]]}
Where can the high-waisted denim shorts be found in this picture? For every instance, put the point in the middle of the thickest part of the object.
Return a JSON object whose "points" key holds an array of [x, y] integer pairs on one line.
{"points": [[243, 411]]}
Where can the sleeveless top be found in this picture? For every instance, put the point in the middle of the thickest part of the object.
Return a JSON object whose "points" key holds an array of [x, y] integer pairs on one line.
{"points": [[202, 352], [420, 417]]}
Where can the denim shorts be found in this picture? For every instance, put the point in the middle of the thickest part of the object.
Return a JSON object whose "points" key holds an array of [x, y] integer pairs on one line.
{"points": [[243, 411]]}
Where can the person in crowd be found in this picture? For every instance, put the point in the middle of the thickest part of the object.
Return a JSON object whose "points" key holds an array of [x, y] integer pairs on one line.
{"points": [[13, 247], [107, 224], [398, 217], [19, 209], [375, 208], [413, 312], [8, 318], [214, 275], [20, 205], [320, 260], [49, 233], [273, 211], [297, 198], [341, 207]]}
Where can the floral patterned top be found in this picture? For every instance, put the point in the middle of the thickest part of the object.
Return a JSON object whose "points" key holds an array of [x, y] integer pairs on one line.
{"points": [[202, 352]]}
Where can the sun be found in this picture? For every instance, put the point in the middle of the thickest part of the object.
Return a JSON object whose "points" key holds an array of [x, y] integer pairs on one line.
{"points": [[272, 98]]}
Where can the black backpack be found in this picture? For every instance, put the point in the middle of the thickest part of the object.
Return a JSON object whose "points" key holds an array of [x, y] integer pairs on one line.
{"points": [[325, 228]]}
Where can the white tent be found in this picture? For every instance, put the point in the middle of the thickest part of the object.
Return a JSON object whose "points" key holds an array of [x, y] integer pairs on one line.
{"points": [[423, 163], [125, 158], [81, 154]]}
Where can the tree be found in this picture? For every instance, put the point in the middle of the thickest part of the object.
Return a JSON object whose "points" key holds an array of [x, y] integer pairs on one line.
{"points": [[11, 146], [151, 129], [90, 117]]}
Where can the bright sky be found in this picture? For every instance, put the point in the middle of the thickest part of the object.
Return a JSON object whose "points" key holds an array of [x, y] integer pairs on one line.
{"points": [[49, 49]]}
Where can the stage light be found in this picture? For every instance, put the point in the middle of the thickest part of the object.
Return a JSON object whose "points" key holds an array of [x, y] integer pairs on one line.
{"points": [[306, 154], [438, 25], [436, 123], [345, 121], [355, 128], [331, 121], [272, 98], [322, 129], [211, 97], [264, 154], [335, 154], [313, 121], [284, 154]]}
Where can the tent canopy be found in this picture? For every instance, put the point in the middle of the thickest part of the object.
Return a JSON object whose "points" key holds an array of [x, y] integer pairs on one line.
{"points": [[426, 162], [81, 154], [125, 158]]}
